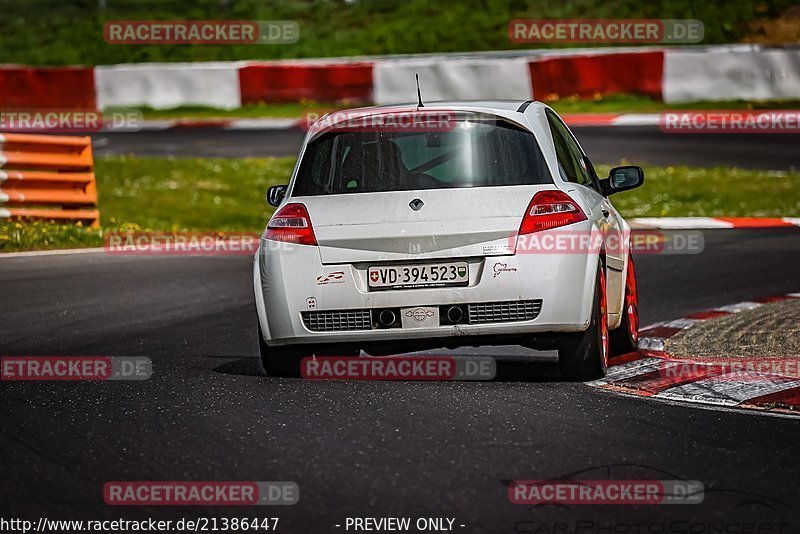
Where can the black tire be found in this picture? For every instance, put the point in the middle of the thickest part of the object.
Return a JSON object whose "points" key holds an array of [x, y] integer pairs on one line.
{"points": [[625, 338], [581, 356], [279, 361]]}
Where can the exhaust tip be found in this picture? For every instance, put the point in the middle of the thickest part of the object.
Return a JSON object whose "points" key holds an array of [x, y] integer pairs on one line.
{"points": [[455, 314], [387, 318]]}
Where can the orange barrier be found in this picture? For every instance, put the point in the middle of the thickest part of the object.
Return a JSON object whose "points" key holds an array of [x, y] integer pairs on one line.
{"points": [[47, 177]]}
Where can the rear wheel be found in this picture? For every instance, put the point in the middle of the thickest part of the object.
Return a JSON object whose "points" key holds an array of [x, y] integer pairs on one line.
{"points": [[287, 360], [626, 338], [279, 361], [584, 356]]}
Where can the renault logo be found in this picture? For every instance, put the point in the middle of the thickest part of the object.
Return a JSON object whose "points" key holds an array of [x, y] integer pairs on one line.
{"points": [[416, 204]]}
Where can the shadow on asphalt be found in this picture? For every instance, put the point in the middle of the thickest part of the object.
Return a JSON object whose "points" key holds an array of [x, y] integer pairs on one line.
{"points": [[507, 371]]}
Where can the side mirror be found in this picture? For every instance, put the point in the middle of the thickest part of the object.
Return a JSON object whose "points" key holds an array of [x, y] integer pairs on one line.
{"points": [[275, 194], [622, 179]]}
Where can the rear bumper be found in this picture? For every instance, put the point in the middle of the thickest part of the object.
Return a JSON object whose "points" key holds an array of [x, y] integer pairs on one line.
{"points": [[294, 280]]}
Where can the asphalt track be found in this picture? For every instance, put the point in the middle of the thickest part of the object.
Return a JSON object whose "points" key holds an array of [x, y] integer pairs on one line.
{"points": [[636, 144], [359, 449]]}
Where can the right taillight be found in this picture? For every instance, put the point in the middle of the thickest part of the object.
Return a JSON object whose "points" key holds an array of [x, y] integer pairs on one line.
{"points": [[291, 225], [550, 209]]}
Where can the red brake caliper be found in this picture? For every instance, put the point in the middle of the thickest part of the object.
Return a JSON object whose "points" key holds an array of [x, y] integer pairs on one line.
{"points": [[632, 302]]}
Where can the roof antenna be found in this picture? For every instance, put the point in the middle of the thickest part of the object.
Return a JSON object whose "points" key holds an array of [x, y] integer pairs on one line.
{"points": [[419, 95]]}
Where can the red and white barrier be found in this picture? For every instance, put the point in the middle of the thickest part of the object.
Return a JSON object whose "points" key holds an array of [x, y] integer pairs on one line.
{"points": [[45, 87], [675, 75], [598, 74], [731, 73], [169, 85], [290, 82], [461, 78]]}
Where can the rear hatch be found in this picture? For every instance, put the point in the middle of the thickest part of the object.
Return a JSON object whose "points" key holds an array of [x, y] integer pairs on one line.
{"points": [[406, 188], [450, 223]]}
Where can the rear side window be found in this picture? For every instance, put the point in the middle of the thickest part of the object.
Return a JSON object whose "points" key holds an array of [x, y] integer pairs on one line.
{"points": [[474, 153], [571, 164]]}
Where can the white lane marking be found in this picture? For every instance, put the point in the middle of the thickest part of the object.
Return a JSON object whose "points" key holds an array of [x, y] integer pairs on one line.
{"points": [[727, 390], [794, 295], [262, 124], [739, 307], [792, 220], [47, 252], [681, 223], [682, 323], [652, 343], [631, 369], [637, 119]]}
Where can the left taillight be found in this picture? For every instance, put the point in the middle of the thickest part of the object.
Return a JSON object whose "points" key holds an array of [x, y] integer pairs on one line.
{"points": [[291, 224]]}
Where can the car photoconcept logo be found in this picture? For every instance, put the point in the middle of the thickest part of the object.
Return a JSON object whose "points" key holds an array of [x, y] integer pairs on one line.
{"points": [[336, 277], [416, 204], [419, 314]]}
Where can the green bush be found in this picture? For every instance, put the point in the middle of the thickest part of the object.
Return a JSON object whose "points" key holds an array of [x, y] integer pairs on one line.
{"points": [[59, 32]]}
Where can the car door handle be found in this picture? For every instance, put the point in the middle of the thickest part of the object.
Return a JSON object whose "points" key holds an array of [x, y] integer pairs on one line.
{"points": [[605, 213]]}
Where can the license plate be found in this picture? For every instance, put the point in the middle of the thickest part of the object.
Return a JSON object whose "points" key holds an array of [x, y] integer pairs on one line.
{"points": [[416, 276]]}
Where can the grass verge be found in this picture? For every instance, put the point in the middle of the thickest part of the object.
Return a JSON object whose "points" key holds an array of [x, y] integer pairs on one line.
{"points": [[176, 195], [289, 110]]}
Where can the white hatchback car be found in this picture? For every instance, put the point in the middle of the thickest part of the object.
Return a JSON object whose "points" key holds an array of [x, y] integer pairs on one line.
{"points": [[454, 224]]}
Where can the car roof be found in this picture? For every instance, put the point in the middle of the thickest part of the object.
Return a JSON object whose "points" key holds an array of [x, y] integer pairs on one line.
{"points": [[454, 105], [521, 112]]}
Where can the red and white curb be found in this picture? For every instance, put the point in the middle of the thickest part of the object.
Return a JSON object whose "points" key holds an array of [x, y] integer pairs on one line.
{"points": [[653, 372], [712, 223]]}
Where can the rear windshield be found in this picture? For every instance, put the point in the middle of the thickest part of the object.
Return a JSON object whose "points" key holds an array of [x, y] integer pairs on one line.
{"points": [[471, 153]]}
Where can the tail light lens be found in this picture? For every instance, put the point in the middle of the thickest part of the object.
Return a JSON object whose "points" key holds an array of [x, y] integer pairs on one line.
{"points": [[550, 209], [291, 225]]}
